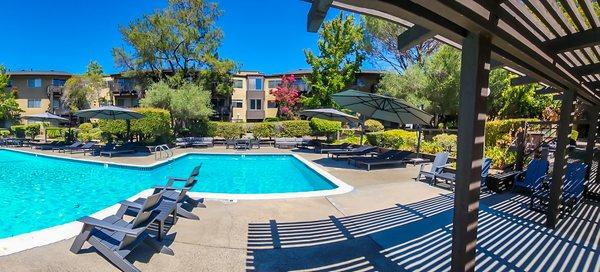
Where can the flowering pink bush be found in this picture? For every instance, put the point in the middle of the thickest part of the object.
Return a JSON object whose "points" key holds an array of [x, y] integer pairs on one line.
{"points": [[287, 97]]}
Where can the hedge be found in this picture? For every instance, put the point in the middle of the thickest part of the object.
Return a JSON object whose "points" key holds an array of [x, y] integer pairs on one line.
{"points": [[87, 132], [431, 147], [4, 132], [296, 128], [154, 127], [31, 130], [446, 141], [18, 131], [263, 130], [324, 127], [501, 157], [501, 132], [55, 132], [228, 130], [373, 126], [396, 138]]}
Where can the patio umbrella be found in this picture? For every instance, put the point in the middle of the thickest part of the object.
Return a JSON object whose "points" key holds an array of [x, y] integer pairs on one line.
{"points": [[111, 113], [381, 107], [43, 117], [330, 114]]}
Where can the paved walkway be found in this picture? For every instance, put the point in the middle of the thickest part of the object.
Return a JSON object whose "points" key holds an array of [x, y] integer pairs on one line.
{"points": [[388, 223]]}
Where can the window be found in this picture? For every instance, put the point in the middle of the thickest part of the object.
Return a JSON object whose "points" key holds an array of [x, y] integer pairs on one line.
{"points": [[34, 83], [58, 82], [255, 84], [271, 104], [301, 85], [238, 83], [274, 83], [255, 104], [121, 102], [238, 104], [34, 103]]}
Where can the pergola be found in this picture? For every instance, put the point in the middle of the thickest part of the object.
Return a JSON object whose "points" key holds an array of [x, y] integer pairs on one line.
{"points": [[555, 43]]}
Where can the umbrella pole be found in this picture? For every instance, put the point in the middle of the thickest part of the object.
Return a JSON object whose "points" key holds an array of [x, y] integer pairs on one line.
{"points": [[419, 140], [128, 122]]}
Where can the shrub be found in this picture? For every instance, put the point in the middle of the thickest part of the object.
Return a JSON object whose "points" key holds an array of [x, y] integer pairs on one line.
{"points": [[501, 157], [446, 141], [87, 132], [201, 128], [155, 127], [500, 132], [32, 130], [324, 127], [396, 138], [4, 132], [263, 130], [273, 119], [431, 147], [18, 131], [355, 140], [229, 130], [113, 130], [54, 132], [373, 126], [574, 135], [295, 128]]}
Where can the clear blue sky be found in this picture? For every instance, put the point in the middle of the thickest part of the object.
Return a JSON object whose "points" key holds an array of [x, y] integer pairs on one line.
{"points": [[267, 35]]}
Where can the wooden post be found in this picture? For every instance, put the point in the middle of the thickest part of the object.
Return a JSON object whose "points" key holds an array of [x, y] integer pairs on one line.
{"points": [[560, 156], [520, 149], [474, 79]]}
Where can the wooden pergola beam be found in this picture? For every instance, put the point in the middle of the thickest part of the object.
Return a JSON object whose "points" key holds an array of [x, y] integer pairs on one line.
{"points": [[546, 90], [592, 68], [578, 40], [524, 80], [413, 36], [317, 13]]}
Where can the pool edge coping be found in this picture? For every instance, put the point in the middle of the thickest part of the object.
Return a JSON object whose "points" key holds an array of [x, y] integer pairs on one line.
{"points": [[50, 235]]}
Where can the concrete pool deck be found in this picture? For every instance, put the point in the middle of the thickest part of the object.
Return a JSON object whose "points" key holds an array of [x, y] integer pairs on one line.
{"points": [[348, 231]]}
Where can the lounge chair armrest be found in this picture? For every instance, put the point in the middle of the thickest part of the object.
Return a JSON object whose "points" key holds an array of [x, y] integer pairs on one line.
{"points": [[177, 179], [105, 225], [131, 204], [170, 188]]}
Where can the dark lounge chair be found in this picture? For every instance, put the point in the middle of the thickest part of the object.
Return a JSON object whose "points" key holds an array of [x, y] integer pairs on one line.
{"points": [[127, 148], [115, 238], [572, 190], [202, 142], [179, 194], [83, 149], [451, 177], [387, 158], [357, 151], [68, 147], [325, 148], [49, 146]]}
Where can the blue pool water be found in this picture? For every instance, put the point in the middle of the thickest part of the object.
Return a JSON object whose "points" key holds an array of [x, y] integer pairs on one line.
{"points": [[40, 192]]}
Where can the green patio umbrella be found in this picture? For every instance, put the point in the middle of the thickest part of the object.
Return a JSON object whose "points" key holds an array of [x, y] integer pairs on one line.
{"points": [[111, 113], [381, 107]]}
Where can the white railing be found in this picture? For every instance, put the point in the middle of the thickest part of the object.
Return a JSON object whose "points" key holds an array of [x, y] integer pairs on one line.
{"points": [[159, 150]]}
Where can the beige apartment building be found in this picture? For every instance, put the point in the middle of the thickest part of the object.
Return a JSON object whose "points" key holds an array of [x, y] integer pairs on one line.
{"points": [[251, 101]]}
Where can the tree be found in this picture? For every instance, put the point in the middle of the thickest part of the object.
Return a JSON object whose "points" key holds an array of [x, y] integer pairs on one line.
{"points": [[82, 91], [94, 68], [9, 108], [341, 53], [188, 103], [180, 40], [381, 39], [287, 97]]}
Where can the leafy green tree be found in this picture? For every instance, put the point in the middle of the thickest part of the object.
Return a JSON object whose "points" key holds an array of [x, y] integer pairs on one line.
{"points": [[9, 108], [94, 68], [186, 104], [341, 53], [82, 91], [182, 40], [381, 39]]}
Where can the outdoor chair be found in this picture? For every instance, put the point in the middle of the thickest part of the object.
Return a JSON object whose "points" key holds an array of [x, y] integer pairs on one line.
{"points": [[242, 144], [286, 142], [179, 194], [439, 162], [68, 147], [83, 149], [451, 177], [326, 148], [357, 151], [390, 157], [572, 190], [183, 142], [115, 238], [532, 177], [127, 148], [230, 143]]}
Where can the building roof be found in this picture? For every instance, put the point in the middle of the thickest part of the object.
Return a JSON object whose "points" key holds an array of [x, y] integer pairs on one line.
{"points": [[38, 73]]}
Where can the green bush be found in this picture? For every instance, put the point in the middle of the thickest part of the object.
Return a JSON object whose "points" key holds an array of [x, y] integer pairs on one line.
{"points": [[201, 128], [355, 140], [396, 138], [574, 135], [4, 132], [373, 126], [322, 127], [501, 132], [431, 147], [154, 128], [446, 141], [113, 130], [263, 130], [229, 130], [501, 157], [87, 132], [273, 119], [54, 132], [18, 131], [33, 130], [295, 128]]}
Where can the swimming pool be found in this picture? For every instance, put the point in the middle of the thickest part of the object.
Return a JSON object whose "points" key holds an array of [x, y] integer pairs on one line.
{"points": [[38, 192]]}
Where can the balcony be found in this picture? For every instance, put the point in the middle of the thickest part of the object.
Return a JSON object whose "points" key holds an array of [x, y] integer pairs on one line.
{"points": [[255, 95], [122, 90], [255, 114], [54, 91]]}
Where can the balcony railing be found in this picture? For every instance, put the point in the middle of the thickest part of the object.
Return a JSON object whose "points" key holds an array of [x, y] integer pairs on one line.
{"points": [[54, 90], [122, 90]]}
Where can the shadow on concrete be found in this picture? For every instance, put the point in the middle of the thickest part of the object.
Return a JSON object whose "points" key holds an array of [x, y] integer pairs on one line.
{"points": [[418, 236]]}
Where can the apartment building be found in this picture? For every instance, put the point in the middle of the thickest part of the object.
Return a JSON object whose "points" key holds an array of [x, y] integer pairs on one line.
{"points": [[252, 100]]}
